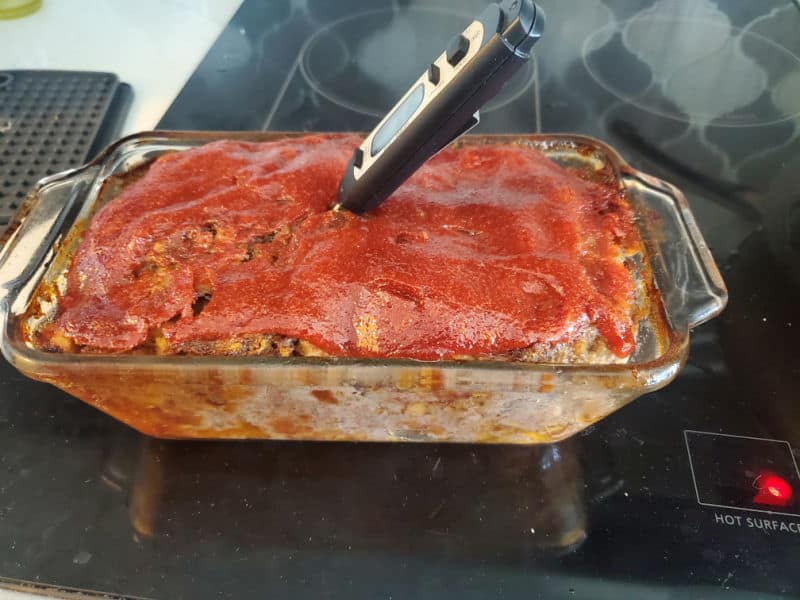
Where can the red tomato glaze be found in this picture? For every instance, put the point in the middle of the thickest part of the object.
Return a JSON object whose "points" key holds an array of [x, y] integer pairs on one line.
{"points": [[483, 251]]}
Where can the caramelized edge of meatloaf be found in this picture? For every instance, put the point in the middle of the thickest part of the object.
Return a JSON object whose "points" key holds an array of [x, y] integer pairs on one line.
{"points": [[589, 347]]}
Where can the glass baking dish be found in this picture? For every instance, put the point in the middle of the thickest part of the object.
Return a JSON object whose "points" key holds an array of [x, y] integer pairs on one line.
{"points": [[355, 399]]}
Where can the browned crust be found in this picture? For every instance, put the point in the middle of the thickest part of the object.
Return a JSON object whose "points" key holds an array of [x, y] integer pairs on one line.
{"points": [[589, 347]]}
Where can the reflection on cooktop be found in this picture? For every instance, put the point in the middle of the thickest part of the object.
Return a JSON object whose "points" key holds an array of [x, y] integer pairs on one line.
{"points": [[714, 73], [396, 497], [351, 70]]}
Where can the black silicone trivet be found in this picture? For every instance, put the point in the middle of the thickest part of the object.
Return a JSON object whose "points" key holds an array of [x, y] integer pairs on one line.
{"points": [[51, 121]]}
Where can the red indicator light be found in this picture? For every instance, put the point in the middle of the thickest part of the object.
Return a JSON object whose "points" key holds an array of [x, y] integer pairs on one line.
{"points": [[772, 490]]}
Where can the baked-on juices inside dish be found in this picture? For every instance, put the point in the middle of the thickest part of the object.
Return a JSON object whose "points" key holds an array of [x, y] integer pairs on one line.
{"points": [[487, 252]]}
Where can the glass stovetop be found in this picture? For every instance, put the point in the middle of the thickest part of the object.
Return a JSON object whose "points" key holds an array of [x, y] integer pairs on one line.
{"points": [[691, 492]]}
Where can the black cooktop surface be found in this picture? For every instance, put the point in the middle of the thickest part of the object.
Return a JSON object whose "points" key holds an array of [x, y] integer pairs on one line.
{"points": [[690, 492]]}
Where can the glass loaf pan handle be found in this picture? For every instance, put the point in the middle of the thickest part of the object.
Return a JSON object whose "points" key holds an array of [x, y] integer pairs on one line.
{"points": [[47, 208], [690, 284]]}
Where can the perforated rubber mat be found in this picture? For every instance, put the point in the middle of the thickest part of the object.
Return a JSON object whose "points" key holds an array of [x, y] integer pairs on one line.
{"points": [[51, 121]]}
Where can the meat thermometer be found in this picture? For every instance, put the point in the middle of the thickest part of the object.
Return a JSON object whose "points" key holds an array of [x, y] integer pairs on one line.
{"points": [[443, 103]]}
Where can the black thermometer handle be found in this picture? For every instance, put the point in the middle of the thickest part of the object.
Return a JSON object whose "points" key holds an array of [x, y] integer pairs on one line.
{"points": [[443, 103]]}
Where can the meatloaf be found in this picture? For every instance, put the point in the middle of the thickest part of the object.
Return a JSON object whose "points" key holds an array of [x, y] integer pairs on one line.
{"points": [[487, 252]]}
